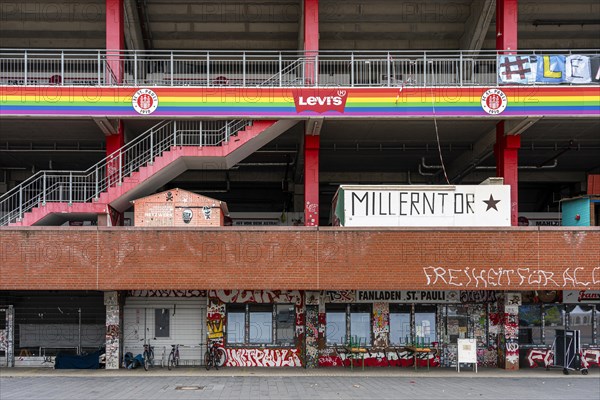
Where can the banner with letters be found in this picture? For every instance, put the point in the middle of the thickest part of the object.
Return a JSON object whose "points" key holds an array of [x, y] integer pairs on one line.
{"points": [[548, 69]]}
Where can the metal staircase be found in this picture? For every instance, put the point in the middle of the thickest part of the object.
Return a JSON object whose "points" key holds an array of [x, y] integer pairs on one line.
{"points": [[161, 151]]}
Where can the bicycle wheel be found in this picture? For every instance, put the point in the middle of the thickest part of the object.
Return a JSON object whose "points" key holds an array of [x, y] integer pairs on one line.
{"points": [[221, 356], [207, 360], [146, 360], [171, 361]]}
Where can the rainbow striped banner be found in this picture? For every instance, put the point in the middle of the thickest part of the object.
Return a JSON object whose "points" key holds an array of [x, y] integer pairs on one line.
{"points": [[168, 102]]}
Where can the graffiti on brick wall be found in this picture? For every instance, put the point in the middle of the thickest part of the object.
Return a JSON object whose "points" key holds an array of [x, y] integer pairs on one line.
{"points": [[487, 357], [339, 296], [506, 277], [3, 340], [510, 277], [167, 293], [312, 336], [258, 296], [111, 300], [511, 336], [449, 353], [215, 319], [400, 358], [263, 358], [478, 296], [381, 325]]}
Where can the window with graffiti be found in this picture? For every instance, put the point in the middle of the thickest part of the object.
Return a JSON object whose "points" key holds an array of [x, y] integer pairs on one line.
{"points": [[261, 324]]}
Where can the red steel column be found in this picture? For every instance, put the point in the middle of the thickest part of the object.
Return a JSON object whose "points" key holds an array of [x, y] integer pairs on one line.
{"points": [[506, 148], [115, 38], [115, 44], [311, 142], [311, 39], [507, 166], [311, 180], [506, 25]]}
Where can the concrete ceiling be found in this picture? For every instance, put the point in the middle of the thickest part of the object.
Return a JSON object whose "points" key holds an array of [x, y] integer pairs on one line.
{"points": [[275, 24]]}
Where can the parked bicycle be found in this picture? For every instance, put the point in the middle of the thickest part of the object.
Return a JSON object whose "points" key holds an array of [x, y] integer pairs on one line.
{"points": [[173, 359], [214, 356], [148, 355]]}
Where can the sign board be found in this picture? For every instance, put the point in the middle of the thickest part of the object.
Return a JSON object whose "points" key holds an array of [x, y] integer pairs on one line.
{"points": [[408, 296], [422, 206], [467, 352], [540, 219], [581, 296]]}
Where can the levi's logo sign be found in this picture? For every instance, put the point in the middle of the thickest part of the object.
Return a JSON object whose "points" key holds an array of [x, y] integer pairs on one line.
{"points": [[320, 101]]}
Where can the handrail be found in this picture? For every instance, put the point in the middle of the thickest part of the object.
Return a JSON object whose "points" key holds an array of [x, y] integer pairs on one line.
{"points": [[394, 68], [86, 186]]}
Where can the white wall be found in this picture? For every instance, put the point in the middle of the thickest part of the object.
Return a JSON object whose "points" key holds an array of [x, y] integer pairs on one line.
{"points": [[187, 327]]}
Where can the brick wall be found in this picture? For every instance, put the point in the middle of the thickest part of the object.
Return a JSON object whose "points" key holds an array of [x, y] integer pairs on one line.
{"points": [[178, 207], [99, 258]]}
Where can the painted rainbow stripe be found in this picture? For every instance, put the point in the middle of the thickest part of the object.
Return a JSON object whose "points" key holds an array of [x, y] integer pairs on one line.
{"points": [[53, 101]]}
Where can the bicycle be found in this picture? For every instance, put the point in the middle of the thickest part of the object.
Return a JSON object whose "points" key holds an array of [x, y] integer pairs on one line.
{"points": [[214, 356], [173, 359], [148, 355]]}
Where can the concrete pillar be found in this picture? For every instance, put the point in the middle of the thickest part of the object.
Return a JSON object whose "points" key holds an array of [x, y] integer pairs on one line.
{"points": [[509, 333], [113, 329]]}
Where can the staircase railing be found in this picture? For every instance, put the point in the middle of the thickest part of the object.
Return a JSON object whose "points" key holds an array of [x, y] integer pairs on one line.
{"points": [[86, 186], [277, 79]]}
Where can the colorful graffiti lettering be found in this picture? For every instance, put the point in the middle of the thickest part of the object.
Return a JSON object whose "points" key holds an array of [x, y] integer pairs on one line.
{"points": [[590, 358], [167, 293], [257, 296], [339, 296], [478, 296], [3, 340], [263, 358], [399, 358], [381, 326], [540, 358]]}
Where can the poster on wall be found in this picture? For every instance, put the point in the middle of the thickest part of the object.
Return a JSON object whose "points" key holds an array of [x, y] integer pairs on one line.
{"points": [[408, 296]]}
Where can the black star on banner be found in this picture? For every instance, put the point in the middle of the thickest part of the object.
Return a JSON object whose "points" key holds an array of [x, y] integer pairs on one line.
{"points": [[491, 203]]}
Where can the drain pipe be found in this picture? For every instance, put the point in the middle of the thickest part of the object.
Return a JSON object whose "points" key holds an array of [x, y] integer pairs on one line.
{"points": [[553, 165], [423, 173]]}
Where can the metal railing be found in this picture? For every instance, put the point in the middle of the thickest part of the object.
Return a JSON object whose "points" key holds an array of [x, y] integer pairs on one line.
{"points": [[255, 68], [86, 186]]}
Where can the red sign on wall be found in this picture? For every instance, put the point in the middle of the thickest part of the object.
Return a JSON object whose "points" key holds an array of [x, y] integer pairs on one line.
{"points": [[320, 100]]}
